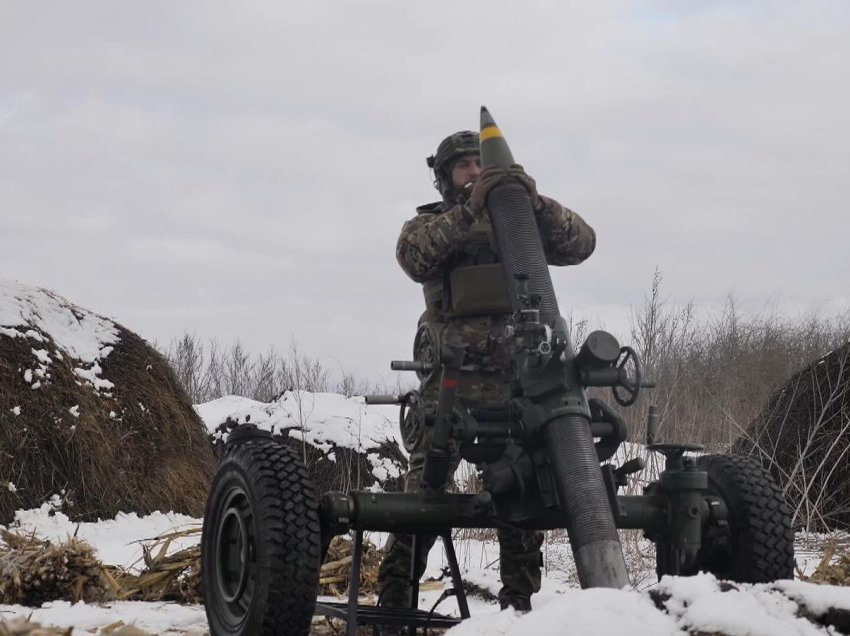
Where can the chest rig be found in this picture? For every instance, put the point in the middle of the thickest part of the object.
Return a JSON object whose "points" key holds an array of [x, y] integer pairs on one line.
{"points": [[473, 283]]}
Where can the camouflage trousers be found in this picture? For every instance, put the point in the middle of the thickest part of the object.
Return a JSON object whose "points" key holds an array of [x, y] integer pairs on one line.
{"points": [[519, 551]]}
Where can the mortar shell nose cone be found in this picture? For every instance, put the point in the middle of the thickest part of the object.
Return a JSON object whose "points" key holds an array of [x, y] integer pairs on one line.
{"points": [[486, 118], [494, 149]]}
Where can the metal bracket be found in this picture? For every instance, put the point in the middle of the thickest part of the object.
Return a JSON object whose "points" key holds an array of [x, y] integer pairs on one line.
{"points": [[355, 614]]}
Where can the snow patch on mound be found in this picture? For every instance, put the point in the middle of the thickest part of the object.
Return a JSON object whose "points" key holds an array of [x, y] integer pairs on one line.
{"points": [[324, 420], [50, 320]]}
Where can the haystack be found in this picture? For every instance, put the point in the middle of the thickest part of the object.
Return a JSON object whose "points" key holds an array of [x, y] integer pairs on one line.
{"points": [[92, 419], [802, 436]]}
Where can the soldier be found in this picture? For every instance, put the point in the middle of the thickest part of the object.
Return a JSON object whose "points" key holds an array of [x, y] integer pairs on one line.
{"points": [[439, 247]]}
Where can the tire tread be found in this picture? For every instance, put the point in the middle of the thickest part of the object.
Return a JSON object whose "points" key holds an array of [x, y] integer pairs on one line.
{"points": [[287, 534]]}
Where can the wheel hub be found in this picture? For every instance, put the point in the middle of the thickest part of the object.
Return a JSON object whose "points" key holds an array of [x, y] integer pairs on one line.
{"points": [[233, 555]]}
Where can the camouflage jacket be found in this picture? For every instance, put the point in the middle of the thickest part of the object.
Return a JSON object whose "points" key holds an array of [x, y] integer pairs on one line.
{"points": [[439, 239]]}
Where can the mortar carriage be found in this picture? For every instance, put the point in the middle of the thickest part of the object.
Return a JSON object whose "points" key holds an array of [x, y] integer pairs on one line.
{"points": [[546, 461]]}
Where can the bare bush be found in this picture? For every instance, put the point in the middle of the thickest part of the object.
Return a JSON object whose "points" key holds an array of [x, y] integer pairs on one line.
{"points": [[208, 370], [713, 375], [802, 436]]}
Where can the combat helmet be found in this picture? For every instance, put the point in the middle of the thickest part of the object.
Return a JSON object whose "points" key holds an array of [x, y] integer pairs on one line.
{"points": [[452, 147]]}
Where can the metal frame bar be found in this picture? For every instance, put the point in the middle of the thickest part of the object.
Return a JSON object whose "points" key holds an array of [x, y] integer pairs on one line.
{"points": [[414, 618], [354, 585], [454, 568]]}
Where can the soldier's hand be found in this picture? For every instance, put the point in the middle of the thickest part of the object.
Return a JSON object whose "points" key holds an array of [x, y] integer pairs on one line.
{"points": [[519, 173], [487, 180]]}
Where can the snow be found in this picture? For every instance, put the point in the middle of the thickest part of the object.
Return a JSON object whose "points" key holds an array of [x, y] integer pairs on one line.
{"points": [[38, 314], [700, 604], [116, 540], [692, 604], [92, 376], [598, 611], [320, 419], [156, 618], [817, 598], [73, 329]]}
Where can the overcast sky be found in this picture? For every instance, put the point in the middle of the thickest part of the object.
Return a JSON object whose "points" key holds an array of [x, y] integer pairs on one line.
{"points": [[242, 170]]}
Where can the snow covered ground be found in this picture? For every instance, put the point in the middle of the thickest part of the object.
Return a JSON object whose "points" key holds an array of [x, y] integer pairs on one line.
{"points": [[674, 606], [698, 604]]}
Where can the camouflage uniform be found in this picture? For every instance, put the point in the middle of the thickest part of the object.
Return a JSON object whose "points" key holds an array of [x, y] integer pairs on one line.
{"points": [[431, 245]]}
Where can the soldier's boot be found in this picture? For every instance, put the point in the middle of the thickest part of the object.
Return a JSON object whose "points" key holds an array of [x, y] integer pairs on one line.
{"points": [[519, 603], [394, 575], [393, 591], [388, 630], [520, 561]]}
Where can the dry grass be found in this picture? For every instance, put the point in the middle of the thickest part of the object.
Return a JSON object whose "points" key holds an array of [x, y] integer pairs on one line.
{"points": [[25, 627], [834, 566], [33, 571], [138, 447], [165, 577]]}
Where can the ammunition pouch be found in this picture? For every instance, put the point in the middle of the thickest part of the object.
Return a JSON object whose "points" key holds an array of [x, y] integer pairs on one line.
{"points": [[478, 290]]}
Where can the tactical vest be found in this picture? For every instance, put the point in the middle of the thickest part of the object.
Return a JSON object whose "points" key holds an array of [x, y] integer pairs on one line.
{"points": [[473, 283]]}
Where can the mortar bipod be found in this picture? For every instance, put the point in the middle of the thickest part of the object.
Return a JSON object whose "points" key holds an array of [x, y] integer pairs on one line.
{"points": [[412, 617]]}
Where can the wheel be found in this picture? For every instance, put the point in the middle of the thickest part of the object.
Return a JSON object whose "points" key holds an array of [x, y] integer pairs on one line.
{"points": [[757, 544], [630, 383], [261, 542]]}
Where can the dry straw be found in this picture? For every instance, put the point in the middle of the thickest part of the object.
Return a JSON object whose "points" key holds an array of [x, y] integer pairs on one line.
{"points": [[334, 576], [25, 627], [834, 566], [137, 447], [34, 570]]}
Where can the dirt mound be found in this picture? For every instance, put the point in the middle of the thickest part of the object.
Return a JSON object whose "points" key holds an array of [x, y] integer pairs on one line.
{"points": [[92, 419], [802, 436], [345, 443]]}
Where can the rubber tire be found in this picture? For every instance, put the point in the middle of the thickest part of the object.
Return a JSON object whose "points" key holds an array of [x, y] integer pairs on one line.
{"points": [[261, 543], [757, 545]]}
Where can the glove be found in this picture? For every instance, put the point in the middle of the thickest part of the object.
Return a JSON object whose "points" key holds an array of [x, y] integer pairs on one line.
{"points": [[518, 173], [489, 179]]}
